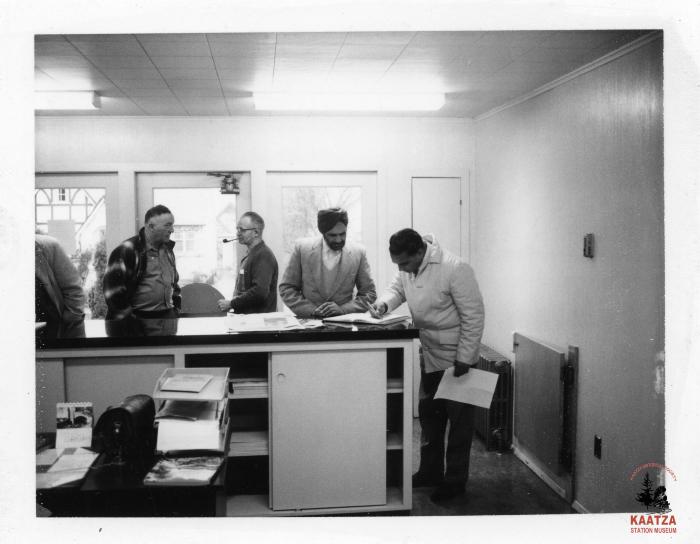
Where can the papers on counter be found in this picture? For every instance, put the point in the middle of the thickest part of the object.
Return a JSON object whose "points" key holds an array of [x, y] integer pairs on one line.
{"points": [[366, 318], [56, 467], [475, 387], [271, 321]]}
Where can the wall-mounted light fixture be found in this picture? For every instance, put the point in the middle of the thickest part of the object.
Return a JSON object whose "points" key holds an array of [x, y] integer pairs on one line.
{"points": [[349, 101], [229, 182], [66, 100]]}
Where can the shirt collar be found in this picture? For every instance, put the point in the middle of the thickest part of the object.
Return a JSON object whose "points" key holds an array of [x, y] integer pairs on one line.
{"points": [[328, 251]]}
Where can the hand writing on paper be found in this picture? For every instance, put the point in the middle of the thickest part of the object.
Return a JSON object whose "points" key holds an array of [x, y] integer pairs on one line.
{"points": [[460, 369], [377, 310]]}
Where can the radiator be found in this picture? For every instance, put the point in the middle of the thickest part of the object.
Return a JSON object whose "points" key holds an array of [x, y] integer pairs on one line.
{"points": [[495, 425]]}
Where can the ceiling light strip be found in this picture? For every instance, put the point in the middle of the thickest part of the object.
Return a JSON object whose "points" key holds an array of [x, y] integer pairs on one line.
{"points": [[348, 101]]}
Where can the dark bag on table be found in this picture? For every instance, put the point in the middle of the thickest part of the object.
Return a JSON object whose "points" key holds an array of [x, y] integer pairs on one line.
{"points": [[126, 434]]}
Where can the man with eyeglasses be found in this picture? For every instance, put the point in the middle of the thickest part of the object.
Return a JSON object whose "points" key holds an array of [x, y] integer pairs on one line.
{"points": [[256, 284]]}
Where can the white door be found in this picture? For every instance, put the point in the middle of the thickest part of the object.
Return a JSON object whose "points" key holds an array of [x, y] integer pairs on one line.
{"points": [[437, 209], [203, 219], [328, 429]]}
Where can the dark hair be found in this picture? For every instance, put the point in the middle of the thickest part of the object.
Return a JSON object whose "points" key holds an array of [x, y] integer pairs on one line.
{"points": [[405, 241], [157, 210], [330, 217], [256, 219]]}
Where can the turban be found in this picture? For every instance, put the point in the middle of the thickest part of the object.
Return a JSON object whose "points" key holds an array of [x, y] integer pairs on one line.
{"points": [[327, 219]]}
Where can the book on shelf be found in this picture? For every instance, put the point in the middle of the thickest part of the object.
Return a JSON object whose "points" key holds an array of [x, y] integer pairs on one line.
{"points": [[191, 383], [60, 467], [184, 470], [366, 319]]}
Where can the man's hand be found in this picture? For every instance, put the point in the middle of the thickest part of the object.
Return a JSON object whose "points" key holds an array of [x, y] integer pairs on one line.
{"points": [[461, 368], [328, 309], [224, 305], [377, 310]]}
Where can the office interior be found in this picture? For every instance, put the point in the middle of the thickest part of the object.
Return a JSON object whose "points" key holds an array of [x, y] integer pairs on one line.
{"points": [[544, 137]]}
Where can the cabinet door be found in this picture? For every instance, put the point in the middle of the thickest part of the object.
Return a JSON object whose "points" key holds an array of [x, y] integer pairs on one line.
{"points": [[328, 429]]}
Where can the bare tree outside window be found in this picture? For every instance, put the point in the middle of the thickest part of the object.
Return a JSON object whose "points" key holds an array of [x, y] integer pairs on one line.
{"points": [[300, 207]]}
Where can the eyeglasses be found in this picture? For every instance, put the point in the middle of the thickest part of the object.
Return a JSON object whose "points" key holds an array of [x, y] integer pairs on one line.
{"points": [[239, 229]]}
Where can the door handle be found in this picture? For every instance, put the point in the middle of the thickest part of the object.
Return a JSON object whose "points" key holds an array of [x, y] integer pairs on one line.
{"points": [[281, 377]]}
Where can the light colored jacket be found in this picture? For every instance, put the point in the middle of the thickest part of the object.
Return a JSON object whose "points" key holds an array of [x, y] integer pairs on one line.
{"points": [[301, 284], [62, 283], [445, 304]]}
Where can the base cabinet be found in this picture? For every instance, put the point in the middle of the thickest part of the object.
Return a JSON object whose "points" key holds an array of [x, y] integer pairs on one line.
{"points": [[328, 429]]}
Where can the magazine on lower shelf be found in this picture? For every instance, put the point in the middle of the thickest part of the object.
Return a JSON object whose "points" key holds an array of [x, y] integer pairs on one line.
{"points": [[60, 467], [184, 470]]}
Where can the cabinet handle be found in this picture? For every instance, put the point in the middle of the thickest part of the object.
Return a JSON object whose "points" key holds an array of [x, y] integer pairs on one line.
{"points": [[281, 377]]}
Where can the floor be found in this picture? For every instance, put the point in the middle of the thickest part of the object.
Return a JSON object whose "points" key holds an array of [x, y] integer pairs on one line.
{"points": [[498, 484]]}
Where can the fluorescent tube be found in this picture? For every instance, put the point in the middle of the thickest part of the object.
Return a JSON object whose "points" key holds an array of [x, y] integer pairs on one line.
{"points": [[66, 100]]}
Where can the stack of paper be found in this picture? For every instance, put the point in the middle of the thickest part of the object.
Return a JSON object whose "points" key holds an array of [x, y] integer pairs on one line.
{"points": [[245, 443], [249, 387], [366, 319], [272, 321], [192, 383]]}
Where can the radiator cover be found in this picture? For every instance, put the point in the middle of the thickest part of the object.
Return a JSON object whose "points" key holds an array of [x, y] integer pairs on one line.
{"points": [[495, 425]]}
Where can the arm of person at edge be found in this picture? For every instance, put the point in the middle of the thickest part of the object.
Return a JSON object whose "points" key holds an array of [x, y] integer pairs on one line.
{"points": [[290, 287]]}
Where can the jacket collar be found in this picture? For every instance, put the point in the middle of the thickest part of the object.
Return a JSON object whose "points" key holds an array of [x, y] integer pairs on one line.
{"points": [[144, 244]]}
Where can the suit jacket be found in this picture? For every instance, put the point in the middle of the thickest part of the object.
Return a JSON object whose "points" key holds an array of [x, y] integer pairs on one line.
{"points": [[446, 305], [300, 287]]}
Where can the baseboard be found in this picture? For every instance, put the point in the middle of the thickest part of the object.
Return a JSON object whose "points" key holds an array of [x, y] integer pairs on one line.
{"points": [[534, 467]]}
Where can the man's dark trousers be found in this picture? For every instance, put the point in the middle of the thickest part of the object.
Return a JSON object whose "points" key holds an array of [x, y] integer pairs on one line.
{"points": [[434, 415]]}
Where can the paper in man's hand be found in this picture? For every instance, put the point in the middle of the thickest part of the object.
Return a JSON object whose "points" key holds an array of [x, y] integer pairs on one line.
{"points": [[475, 387]]}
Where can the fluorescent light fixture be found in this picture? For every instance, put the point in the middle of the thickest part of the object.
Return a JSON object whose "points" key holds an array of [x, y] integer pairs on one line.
{"points": [[66, 100], [349, 101]]}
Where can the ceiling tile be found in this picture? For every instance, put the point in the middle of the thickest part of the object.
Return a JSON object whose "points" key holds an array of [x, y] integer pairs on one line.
{"points": [[454, 39], [109, 48], [183, 62], [370, 52], [184, 94], [194, 84], [327, 53], [378, 38], [131, 61], [580, 38], [177, 48], [353, 65], [238, 63], [62, 61], [160, 106], [184, 38], [525, 39], [57, 46], [142, 84], [312, 39], [253, 38], [247, 50], [131, 73], [162, 92], [188, 73]]}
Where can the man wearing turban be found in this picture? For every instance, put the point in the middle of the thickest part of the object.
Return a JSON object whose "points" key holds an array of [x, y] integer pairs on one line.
{"points": [[323, 273]]}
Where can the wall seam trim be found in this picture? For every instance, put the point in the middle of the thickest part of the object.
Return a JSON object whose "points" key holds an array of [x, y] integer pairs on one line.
{"points": [[609, 57]]}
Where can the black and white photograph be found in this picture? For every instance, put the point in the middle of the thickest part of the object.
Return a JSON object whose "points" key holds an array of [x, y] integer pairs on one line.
{"points": [[471, 233]]}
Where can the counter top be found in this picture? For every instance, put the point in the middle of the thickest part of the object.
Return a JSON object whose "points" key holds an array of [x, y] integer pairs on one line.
{"points": [[214, 330]]}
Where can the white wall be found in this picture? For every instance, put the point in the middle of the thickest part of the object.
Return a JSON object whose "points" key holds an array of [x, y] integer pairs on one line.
{"points": [[396, 148], [584, 157]]}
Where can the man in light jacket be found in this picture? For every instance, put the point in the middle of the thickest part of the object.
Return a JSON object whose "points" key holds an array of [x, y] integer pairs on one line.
{"points": [[446, 305]]}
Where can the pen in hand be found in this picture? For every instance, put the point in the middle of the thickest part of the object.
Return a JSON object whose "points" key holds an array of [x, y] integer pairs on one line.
{"points": [[372, 311]]}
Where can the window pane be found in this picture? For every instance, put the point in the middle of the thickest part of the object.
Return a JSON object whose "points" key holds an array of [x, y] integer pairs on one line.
{"points": [[203, 217], [81, 232], [300, 207]]}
